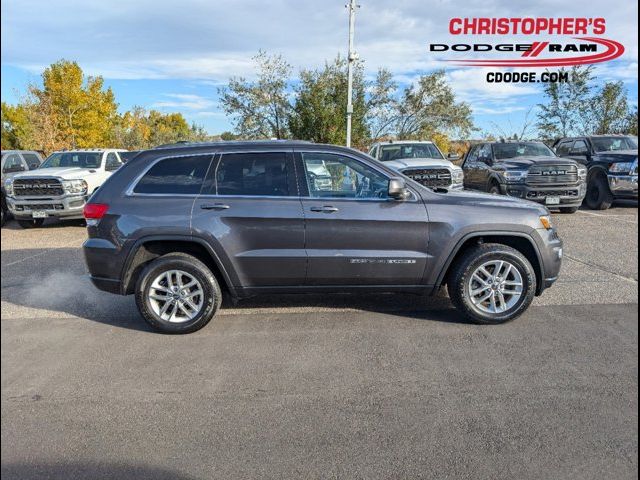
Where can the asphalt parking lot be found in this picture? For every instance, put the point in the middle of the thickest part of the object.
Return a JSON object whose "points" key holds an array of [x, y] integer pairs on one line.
{"points": [[343, 387]]}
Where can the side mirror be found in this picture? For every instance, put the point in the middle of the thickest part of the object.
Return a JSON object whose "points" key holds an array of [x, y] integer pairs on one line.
{"points": [[398, 189], [453, 156]]}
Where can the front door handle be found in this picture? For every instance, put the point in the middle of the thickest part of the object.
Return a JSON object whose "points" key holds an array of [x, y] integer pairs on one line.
{"points": [[214, 206], [325, 209]]}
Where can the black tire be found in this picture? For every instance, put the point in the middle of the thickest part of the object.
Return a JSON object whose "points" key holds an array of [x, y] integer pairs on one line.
{"points": [[569, 209], [494, 189], [31, 223], [466, 265], [212, 295], [599, 196]]}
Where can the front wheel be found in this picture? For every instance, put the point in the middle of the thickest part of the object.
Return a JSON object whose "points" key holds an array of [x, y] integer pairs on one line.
{"points": [[31, 223], [177, 293], [492, 283], [599, 197]]}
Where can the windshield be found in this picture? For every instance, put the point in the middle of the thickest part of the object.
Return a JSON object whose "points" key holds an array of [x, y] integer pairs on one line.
{"points": [[389, 153], [503, 151], [73, 159], [610, 144]]}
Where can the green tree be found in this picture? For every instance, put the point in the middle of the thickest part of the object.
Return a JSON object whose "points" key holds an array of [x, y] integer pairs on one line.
{"points": [[632, 122], [429, 106], [319, 112], [260, 109], [16, 129], [139, 129], [565, 111], [609, 109]]}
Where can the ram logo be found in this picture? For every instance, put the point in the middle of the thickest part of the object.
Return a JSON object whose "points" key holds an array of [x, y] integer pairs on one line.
{"points": [[554, 172]]}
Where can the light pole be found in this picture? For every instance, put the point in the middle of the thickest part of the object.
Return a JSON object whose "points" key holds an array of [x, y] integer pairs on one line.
{"points": [[351, 58]]}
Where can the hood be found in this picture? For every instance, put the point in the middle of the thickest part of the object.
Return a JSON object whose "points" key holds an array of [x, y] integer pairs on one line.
{"points": [[618, 156], [403, 163], [526, 162], [67, 173]]}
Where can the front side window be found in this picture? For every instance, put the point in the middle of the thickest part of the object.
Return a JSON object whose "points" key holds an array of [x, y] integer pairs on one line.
{"points": [[564, 148], [12, 163], [334, 176], [253, 174], [472, 156], [484, 153], [112, 163], [389, 153], [32, 160], [73, 159], [178, 175], [504, 151], [611, 144]]}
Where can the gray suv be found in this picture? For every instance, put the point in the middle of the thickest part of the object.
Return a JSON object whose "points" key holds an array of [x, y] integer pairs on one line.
{"points": [[178, 226]]}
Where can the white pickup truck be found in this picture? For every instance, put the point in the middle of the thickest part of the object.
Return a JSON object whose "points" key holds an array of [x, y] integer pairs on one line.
{"points": [[60, 187], [421, 161]]}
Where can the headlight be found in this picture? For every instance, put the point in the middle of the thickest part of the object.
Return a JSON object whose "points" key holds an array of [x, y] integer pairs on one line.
{"points": [[545, 220], [8, 187], [75, 186], [515, 176], [457, 176], [582, 173], [622, 167]]}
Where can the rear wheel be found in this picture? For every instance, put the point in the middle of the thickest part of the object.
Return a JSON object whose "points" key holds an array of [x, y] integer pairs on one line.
{"points": [[31, 223], [599, 197], [492, 283], [177, 293], [569, 209]]}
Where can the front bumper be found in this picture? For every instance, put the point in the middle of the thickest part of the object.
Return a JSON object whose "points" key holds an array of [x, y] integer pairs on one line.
{"points": [[569, 195], [623, 185], [67, 207], [551, 251]]}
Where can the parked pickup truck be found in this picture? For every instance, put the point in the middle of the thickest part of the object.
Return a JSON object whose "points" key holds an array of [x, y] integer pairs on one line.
{"points": [[527, 170], [14, 162], [422, 162], [612, 161], [60, 187]]}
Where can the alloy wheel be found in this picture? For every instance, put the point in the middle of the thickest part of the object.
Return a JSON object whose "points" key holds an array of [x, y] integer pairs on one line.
{"points": [[176, 296], [495, 286]]}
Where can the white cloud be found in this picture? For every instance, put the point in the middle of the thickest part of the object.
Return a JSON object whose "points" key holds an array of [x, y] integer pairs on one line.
{"points": [[184, 101]]}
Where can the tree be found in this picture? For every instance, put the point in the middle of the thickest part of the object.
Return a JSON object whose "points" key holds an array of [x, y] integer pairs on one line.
{"points": [[139, 129], [319, 111], [16, 129], [632, 122], [429, 106], [566, 108], [260, 109], [609, 110]]}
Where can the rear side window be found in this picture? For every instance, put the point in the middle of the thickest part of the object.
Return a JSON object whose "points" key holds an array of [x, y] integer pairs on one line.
{"points": [[253, 174], [178, 175]]}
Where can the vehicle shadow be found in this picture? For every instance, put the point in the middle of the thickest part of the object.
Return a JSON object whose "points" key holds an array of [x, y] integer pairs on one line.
{"points": [[50, 223], [55, 280], [87, 470]]}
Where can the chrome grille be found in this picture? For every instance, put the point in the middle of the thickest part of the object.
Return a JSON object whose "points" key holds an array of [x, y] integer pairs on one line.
{"points": [[37, 187], [552, 174], [430, 177]]}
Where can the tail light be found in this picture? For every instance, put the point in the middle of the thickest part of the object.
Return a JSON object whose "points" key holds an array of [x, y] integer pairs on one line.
{"points": [[95, 211]]}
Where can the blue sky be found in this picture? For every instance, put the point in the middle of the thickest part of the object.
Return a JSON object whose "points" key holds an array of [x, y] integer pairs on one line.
{"points": [[172, 55]]}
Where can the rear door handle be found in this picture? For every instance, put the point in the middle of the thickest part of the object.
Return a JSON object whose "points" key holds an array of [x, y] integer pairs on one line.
{"points": [[214, 206], [325, 209]]}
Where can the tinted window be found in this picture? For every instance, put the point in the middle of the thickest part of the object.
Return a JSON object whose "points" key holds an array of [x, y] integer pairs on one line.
{"points": [[579, 148], [179, 175], [73, 159], [12, 163], [252, 174], [112, 163], [472, 156], [564, 148], [504, 151], [484, 152], [335, 176], [609, 144], [32, 160]]}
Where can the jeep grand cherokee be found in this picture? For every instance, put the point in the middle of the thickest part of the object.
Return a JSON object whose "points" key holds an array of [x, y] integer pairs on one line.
{"points": [[178, 226]]}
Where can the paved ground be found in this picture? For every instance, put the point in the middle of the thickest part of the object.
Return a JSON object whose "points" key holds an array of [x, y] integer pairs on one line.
{"points": [[386, 386]]}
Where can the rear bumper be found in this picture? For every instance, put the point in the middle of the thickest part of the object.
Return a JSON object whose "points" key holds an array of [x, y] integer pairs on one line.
{"points": [[569, 195], [69, 207], [623, 186], [104, 261], [107, 284]]}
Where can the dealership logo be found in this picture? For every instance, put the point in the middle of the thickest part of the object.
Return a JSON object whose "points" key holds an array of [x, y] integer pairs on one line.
{"points": [[577, 50]]}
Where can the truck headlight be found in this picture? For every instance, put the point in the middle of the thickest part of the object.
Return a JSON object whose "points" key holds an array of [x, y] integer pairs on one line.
{"points": [[75, 186], [582, 173], [515, 176], [621, 167], [8, 187], [457, 176]]}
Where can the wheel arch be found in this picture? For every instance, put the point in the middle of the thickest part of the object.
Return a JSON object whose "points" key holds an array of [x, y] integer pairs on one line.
{"points": [[519, 241], [149, 248]]}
